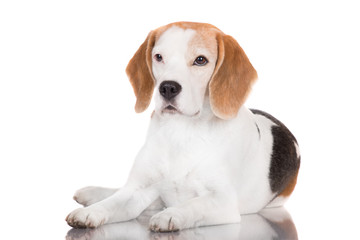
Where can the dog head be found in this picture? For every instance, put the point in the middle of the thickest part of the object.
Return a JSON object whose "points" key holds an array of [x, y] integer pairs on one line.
{"points": [[188, 63]]}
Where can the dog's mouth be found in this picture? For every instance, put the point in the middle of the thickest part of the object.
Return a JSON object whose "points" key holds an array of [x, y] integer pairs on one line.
{"points": [[170, 109]]}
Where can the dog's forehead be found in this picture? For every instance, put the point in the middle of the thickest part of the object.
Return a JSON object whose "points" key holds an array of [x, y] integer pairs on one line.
{"points": [[175, 37], [182, 35]]}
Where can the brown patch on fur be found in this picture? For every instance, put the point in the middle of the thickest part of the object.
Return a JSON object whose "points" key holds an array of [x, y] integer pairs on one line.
{"points": [[290, 187], [204, 39], [232, 79], [139, 71]]}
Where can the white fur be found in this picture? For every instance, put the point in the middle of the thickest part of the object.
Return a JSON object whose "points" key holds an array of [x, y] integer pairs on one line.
{"points": [[205, 170]]}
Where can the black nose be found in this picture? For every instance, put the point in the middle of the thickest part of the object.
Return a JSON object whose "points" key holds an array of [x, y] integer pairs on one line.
{"points": [[169, 89]]}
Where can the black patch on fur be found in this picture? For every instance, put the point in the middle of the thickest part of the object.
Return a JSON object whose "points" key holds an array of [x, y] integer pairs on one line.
{"points": [[284, 161], [257, 127]]}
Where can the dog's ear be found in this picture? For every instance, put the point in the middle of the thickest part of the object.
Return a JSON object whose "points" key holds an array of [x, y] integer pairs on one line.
{"points": [[232, 78], [139, 71]]}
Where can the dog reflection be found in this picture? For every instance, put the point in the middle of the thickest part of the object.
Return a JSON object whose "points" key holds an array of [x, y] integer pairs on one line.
{"points": [[274, 223]]}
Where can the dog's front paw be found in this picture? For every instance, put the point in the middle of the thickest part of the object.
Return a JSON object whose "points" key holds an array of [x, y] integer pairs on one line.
{"points": [[89, 217], [87, 196], [169, 220]]}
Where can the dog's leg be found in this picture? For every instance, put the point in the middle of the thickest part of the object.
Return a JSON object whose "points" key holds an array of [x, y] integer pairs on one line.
{"points": [[89, 195], [210, 209], [128, 202], [125, 204]]}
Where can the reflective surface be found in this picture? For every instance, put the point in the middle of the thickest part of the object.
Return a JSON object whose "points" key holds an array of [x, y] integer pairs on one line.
{"points": [[275, 223]]}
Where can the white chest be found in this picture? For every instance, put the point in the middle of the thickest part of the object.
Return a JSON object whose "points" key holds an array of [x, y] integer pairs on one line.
{"points": [[195, 157]]}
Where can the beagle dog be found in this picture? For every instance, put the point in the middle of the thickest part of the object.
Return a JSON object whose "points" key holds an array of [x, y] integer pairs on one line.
{"points": [[207, 158]]}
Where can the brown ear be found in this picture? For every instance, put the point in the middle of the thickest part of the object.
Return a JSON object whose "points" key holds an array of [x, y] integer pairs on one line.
{"points": [[139, 71], [232, 78]]}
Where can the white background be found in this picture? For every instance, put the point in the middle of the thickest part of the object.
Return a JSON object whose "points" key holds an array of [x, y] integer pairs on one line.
{"points": [[66, 106]]}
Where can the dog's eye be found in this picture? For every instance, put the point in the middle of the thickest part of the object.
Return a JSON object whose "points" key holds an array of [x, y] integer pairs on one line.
{"points": [[158, 57], [200, 61]]}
